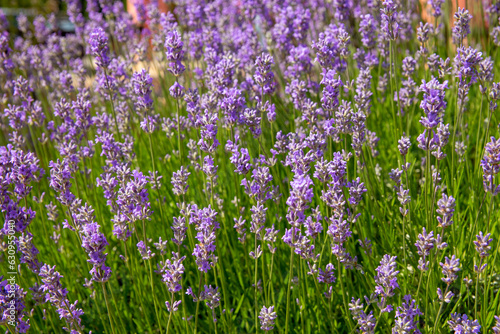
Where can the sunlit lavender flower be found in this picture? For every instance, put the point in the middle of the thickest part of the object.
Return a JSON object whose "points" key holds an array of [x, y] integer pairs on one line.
{"points": [[436, 6], [264, 76], [433, 105], [331, 91], [461, 28], [424, 244], [327, 276], [179, 181], [205, 225], [483, 247], [172, 271], [390, 25], [491, 166], [387, 282], [496, 329], [141, 85], [94, 242], [406, 317], [12, 302], [145, 250], [445, 210], [98, 42], [404, 145], [365, 321], [267, 317], [174, 52], [450, 269], [461, 324], [56, 295]]}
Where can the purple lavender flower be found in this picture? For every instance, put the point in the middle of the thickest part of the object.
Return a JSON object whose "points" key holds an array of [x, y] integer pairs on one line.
{"points": [[356, 191], [331, 48], [483, 247], [331, 91], [98, 42], [206, 226], [390, 25], [145, 251], [424, 244], [141, 84], [171, 272], [461, 28], [208, 141], [404, 145], [436, 6], [433, 105], [491, 166], [450, 269], [174, 52], [56, 295], [94, 242], [406, 317], [365, 321], [496, 329], [387, 282], [327, 276], [12, 306], [446, 208], [461, 324], [240, 159], [267, 318], [179, 182], [264, 76]]}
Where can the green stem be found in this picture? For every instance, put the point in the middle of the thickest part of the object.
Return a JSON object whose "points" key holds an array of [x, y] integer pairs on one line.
{"points": [[108, 308]]}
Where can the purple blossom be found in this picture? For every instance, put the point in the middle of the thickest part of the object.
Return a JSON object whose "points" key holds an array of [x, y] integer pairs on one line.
{"points": [[390, 25], [94, 242], [445, 210], [424, 244], [12, 305], [56, 295], [141, 85], [98, 42], [174, 52], [461, 28], [206, 226], [145, 251], [491, 166], [264, 76], [450, 269], [179, 181], [267, 318], [407, 317], [461, 324], [387, 282]]}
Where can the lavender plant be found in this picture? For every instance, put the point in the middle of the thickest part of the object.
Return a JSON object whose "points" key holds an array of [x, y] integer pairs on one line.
{"points": [[334, 167]]}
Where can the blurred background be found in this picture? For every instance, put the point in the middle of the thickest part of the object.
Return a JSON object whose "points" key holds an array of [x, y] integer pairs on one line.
{"points": [[30, 8]]}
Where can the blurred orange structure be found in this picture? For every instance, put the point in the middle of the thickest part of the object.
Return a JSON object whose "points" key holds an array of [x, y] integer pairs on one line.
{"points": [[132, 11], [475, 8]]}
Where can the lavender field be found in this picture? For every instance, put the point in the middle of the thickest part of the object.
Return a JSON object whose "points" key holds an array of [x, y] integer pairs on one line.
{"points": [[243, 166]]}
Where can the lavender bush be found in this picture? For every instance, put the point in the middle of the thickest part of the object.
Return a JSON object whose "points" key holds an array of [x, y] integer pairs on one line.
{"points": [[250, 166]]}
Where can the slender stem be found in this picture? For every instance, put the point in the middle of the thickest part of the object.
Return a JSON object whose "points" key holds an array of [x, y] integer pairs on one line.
{"points": [[198, 304], [170, 312], [346, 309], [290, 275], [108, 308], [440, 308], [255, 286], [477, 286]]}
